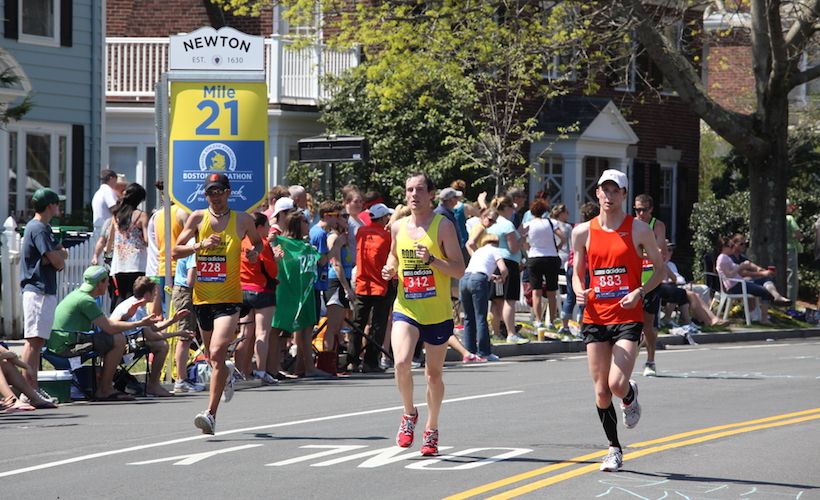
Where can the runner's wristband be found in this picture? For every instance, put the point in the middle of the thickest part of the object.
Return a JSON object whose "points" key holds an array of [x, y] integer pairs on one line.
{"points": [[430, 260], [640, 291]]}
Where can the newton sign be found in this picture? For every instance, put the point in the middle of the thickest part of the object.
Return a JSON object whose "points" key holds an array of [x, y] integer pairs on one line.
{"points": [[226, 49]]}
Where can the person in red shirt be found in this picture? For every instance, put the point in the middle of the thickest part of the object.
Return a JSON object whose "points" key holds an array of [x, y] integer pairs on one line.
{"points": [[609, 248], [372, 297], [259, 297]]}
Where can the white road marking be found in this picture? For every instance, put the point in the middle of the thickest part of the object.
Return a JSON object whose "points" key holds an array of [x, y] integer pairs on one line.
{"points": [[109, 453], [193, 458]]}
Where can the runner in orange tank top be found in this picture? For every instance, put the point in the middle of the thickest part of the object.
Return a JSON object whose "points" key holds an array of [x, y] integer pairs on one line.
{"points": [[609, 248]]}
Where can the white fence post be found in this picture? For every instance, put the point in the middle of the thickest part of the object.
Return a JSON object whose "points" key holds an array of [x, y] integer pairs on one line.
{"points": [[275, 69], [10, 264]]}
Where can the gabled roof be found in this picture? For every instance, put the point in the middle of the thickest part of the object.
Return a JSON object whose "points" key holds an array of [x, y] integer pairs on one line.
{"points": [[590, 118]]}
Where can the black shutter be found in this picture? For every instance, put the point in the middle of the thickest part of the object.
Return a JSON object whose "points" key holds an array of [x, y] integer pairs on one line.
{"points": [[638, 176], [654, 187], [66, 22], [77, 167], [11, 16]]}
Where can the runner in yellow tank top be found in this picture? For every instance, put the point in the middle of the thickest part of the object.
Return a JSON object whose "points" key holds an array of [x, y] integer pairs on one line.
{"points": [[217, 289], [425, 254]]}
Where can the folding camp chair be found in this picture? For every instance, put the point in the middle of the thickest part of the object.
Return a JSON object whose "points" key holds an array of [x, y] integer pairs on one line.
{"points": [[74, 361]]}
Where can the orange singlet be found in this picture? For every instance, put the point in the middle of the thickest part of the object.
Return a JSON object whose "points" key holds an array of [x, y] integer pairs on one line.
{"points": [[614, 268]]}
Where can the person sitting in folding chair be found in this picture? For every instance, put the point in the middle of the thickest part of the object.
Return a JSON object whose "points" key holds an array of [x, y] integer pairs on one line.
{"points": [[145, 291], [79, 312]]}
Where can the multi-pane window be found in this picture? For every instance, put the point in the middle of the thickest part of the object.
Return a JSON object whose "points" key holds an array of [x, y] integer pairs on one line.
{"points": [[39, 156], [594, 166], [39, 21], [553, 178]]}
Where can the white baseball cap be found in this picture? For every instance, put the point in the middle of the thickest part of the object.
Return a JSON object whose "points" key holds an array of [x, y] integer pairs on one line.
{"points": [[448, 193], [379, 210], [282, 204], [615, 176]]}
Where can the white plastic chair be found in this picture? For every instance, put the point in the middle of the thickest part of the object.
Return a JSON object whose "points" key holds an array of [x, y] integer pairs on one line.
{"points": [[725, 303]]}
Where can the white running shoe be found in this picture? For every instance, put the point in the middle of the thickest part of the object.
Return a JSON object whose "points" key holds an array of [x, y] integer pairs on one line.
{"points": [[227, 393], [632, 411], [185, 386], [265, 377], [516, 339], [43, 394], [205, 422], [649, 370], [613, 461]]}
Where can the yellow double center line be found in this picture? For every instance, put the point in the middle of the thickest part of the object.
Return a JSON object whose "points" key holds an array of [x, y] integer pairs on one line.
{"points": [[646, 448]]}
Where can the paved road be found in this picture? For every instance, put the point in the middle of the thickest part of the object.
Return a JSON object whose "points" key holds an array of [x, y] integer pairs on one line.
{"points": [[723, 421]]}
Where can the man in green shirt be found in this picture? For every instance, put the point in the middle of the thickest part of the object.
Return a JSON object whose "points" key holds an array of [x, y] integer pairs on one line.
{"points": [[79, 312]]}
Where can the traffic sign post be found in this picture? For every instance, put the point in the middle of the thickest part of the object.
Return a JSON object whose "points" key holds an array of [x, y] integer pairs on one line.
{"points": [[212, 117]]}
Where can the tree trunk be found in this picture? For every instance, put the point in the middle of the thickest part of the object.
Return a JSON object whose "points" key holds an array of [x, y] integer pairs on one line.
{"points": [[768, 179]]}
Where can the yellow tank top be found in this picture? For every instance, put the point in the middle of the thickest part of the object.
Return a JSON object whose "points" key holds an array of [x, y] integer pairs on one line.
{"points": [[424, 291], [159, 233], [217, 268]]}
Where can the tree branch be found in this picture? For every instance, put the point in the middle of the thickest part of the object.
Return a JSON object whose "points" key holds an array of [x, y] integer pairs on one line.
{"points": [[804, 76], [736, 128], [803, 28]]}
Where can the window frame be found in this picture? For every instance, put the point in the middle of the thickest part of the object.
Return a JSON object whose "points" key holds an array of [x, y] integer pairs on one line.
{"points": [[52, 41], [57, 161]]}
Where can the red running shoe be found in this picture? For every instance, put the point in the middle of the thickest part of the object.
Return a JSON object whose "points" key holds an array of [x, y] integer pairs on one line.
{"points": [[404, 438], [430, 446]]}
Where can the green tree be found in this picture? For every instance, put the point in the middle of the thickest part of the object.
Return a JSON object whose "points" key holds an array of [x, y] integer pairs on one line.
{"points": [[415, 133], [781, 32], [8, 79], [511, 55]]}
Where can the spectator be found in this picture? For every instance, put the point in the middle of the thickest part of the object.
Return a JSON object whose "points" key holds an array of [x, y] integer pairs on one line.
{"points": [[30, 398], [588, 211], [794, 247], [687, 301], [448, 199], [507, 293], [329, 213], [729, 270], [475, 295], [543, 261], [749, 270], [134, 309], [488, 218], [259, 297], [519, 200], [275, 193], [182, 299], [104, 200], [339, 291], [373, 294], [130, 240], [155, 267], [353, 206], [370, 198], [281, 209], [560, 217], [40, 259], [79, 312], [296, 294]]}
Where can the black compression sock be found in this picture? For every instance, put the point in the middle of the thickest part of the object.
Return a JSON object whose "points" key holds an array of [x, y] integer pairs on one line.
{"points": [[610, 421], [630, 396]]}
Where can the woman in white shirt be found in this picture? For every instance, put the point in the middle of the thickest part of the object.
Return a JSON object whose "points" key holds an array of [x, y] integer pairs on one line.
{"points": [[560, 220], [543, 262], [474, 292]]}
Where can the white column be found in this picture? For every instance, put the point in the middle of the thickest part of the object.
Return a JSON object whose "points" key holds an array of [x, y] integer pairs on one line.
{"points": [[4, 172], [573, 185], [275, 69]]}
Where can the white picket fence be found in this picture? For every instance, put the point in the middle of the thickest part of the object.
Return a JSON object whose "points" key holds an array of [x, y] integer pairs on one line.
{"points": [[68, 280]]}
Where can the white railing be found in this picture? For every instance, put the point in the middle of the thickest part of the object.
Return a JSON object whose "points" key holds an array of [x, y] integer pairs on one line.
{"points": [[294, 75], [68, 280]]}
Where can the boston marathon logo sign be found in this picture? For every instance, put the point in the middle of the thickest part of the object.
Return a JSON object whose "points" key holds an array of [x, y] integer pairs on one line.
{"points": [[223, 49]]}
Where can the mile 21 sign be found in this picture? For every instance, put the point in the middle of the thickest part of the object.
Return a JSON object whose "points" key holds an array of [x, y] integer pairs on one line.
{"points": [[218, 124]]}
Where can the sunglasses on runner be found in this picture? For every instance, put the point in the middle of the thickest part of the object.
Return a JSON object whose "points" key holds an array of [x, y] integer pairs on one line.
{"points": [[215, 192]]}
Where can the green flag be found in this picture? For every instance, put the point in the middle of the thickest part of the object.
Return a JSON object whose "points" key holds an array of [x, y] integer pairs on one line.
{"points": [[295, 305]]}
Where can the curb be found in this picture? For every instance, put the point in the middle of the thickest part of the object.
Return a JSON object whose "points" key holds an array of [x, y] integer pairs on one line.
{"points": [[558, 346]]}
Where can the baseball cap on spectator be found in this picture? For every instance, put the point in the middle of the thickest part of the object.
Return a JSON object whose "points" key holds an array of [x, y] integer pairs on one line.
{"points": [[218, 181], [107, 174], [615, 176], [44, 197], [92, 277], [379, 210], [282, 204], [448, 193]]}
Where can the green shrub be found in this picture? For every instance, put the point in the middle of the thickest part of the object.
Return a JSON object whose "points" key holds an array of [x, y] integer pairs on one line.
{"points": [[714, 218]]}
